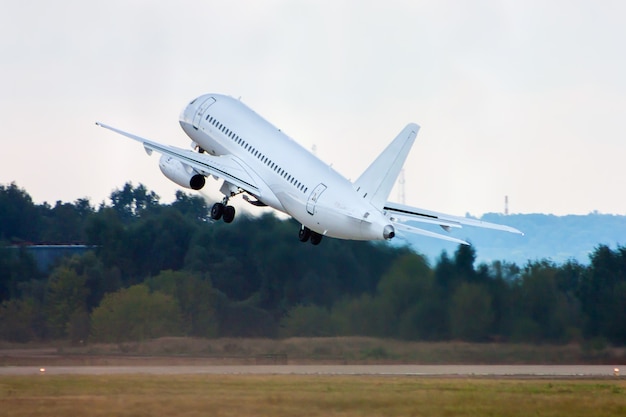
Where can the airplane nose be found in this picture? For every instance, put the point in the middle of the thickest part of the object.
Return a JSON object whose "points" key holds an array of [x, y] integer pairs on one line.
{"points": [[186, 114], [389, 232]]}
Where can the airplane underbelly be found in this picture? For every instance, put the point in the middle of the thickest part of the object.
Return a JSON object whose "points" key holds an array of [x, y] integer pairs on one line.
{"points": [[328, 221]]}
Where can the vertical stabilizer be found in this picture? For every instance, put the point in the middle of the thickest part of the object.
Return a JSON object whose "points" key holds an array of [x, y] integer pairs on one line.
{"points": [[376, 182]]}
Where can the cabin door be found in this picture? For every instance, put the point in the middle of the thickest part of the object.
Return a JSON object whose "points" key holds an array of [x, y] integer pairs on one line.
{"points": [[315, 195], [197, 118]]}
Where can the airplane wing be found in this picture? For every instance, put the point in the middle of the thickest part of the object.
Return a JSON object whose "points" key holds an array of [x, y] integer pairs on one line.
{"points": [[225, 167], [400, 213]]}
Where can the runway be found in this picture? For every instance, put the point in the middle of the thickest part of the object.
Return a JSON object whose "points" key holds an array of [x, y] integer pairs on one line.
{"points": [[540, 371]]}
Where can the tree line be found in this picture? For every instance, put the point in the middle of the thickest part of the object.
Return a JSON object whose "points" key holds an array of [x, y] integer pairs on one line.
{"points": [[164, 269]]}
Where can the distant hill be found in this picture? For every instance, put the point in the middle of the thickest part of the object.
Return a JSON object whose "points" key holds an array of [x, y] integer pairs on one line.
{"points": [[546, 236]]}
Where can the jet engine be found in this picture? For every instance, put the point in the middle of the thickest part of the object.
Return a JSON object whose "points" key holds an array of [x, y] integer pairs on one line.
{"points": [[181, 174]]}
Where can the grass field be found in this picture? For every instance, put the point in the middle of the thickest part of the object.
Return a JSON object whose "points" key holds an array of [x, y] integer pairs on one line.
{"points": [[244, 395]]}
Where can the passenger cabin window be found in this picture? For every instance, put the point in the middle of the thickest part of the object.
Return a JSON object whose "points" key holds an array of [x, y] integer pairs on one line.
{"points": [[267, 161]]}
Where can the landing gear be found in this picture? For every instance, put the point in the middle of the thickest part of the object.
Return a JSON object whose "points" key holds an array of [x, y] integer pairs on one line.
{"points": [[316, 238], [305, 234], [217, 211], [221, 210], [229, 214]]}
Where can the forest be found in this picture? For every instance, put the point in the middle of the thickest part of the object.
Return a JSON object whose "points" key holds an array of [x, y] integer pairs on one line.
{"points": [[158, 269]]}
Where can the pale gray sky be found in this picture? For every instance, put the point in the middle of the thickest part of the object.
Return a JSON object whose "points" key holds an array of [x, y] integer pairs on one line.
{"points": [[519, 98]]}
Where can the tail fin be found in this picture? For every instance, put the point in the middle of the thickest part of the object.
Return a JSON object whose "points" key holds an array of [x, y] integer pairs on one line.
{"points": [[376, 182]]}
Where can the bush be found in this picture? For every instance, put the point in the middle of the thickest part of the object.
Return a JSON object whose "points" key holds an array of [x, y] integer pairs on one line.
{"points": [[307, 321], [134, 314]]}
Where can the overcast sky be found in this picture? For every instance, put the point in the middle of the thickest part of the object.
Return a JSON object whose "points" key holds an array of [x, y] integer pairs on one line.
{"points": [[518, 98]]}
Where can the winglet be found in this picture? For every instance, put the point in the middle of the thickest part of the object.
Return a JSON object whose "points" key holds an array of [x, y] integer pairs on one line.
{"points": [[376, 182]]}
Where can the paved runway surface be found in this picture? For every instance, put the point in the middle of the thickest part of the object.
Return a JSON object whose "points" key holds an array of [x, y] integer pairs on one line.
{"points": [[391, 370]]}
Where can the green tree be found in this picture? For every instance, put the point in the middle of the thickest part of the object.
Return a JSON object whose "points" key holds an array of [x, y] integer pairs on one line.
{"points": [[406, 293], [360, 316], [131, 202], [307, 321], [65, 223], [107, 233], [66, 296], [20, 219], [156, 242], [544, 311], [135, 314], [464, 259], [196, 297], [244, 320], [445, 274], [19, 320], [17, 270], [602, 294], [471, 314], [98, 279], [194, 207]]}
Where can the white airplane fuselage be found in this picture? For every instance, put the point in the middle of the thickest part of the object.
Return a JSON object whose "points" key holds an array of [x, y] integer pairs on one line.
{"points": [[252, 156], [290, 178]]}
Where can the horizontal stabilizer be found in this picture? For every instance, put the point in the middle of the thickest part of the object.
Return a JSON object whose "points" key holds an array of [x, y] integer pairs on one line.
{"points": [[400, 212], [410, 229]]}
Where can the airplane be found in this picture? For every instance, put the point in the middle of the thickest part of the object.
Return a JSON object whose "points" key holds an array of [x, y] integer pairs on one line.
{"points": [[232, 143]]}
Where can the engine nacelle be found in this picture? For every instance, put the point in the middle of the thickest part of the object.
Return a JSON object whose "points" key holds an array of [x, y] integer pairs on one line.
{"points": [[181, 174]]}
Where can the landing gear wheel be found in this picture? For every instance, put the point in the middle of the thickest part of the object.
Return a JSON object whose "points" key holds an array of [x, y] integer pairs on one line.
{"points": [[316, 238], [229, 214], [304, 234], [217, 211]]}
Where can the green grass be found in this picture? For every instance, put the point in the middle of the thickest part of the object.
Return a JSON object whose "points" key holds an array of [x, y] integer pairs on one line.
{"points": [[239, 395]]}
